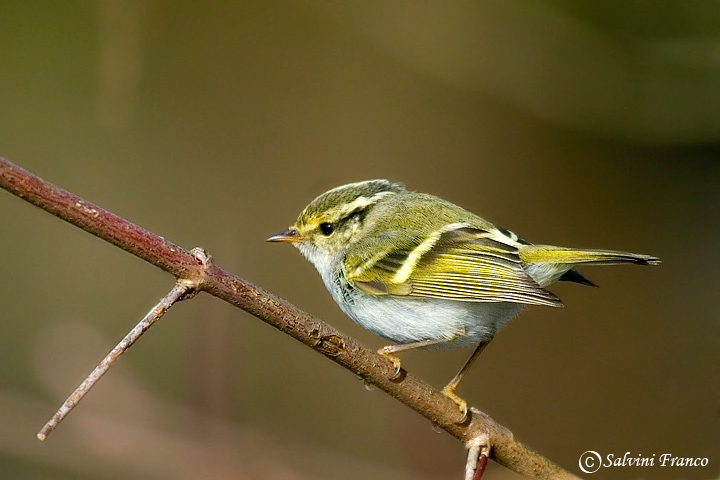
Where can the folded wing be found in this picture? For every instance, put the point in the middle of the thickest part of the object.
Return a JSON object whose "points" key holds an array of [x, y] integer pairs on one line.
{"points": [[462, 263]]}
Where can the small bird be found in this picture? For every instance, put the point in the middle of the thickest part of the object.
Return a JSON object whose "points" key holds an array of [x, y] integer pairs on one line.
{"points": [[420, 271]]}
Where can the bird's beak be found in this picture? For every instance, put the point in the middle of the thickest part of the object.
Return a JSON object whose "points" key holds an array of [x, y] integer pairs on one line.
{"points": [[288, 236]]}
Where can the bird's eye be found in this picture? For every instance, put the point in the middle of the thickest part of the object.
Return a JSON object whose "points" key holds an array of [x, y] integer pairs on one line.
{"points": [[327, 228]]}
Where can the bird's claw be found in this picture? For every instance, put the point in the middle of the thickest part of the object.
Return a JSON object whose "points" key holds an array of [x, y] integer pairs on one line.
{"points": [[449, 391], [385, 352]]}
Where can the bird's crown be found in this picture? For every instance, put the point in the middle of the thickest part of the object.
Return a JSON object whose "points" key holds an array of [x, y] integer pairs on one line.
{"points": [[345, 201]]}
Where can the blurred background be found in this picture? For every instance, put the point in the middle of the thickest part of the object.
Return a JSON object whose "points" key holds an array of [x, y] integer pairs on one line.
{"points": [[585, 124]]}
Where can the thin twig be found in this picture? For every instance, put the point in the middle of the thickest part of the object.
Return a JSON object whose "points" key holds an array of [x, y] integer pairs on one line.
{"points": [[472, 462], [478, 451], [283, 315], [180, 291], [480, 467]]}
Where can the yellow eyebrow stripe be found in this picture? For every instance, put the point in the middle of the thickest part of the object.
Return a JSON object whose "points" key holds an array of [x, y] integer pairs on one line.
{"points": [[360, 202]]}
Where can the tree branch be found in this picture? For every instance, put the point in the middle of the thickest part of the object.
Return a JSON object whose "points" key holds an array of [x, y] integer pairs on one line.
{"points": [[180, 291], [284, 316]]}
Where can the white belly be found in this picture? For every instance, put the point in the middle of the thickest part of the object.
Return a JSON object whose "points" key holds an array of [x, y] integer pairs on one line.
{"points": [[411, 319]]}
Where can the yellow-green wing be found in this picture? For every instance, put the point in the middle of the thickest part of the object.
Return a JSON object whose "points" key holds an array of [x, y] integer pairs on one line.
{"points": [[462, 263]]}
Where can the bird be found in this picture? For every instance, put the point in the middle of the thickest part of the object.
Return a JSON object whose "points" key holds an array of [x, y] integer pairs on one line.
{"points": [[422, 272]]}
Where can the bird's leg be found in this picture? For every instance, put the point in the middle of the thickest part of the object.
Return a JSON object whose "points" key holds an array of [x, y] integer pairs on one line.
{"points": [[389, 351], [450, 388]]}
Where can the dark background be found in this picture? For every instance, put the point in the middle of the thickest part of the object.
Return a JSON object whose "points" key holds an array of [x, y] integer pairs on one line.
{"points": [[586, 124]]}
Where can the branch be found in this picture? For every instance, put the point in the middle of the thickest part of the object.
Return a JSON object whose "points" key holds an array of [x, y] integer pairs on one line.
{"points": [[180, 291], [284, 316]]}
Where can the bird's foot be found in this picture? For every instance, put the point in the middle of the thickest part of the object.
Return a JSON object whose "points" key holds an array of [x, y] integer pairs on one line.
{"points": [[387, 352], [449, 391]]}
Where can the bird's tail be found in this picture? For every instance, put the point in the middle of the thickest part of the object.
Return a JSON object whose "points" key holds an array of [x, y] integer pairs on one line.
{"points": [[547, 264], [534, 254]]}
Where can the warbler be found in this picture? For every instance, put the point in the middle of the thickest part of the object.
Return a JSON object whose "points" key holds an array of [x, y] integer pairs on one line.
{"points": [[420, 271]]}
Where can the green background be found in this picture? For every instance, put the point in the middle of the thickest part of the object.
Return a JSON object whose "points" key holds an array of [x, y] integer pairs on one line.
{"points": [[585, 124]]}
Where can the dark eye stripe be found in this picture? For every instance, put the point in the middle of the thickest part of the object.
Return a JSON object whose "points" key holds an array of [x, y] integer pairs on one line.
{"points": [[358, 213]]}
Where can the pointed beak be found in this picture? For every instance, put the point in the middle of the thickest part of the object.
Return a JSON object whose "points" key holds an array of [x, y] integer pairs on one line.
{"points": [[288, 236]]}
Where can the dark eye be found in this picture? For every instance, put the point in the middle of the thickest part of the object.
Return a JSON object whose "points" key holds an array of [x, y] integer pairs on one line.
{"points": [[327, 229]]}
